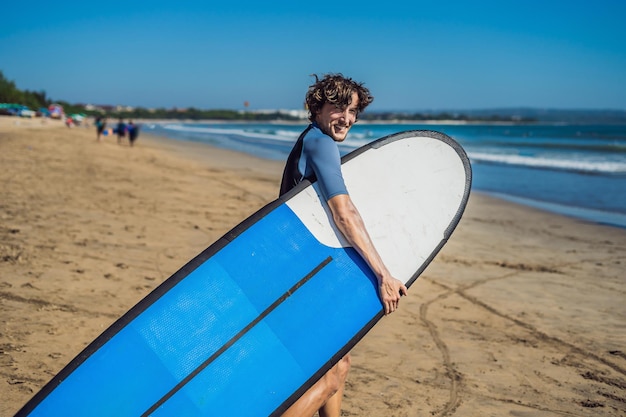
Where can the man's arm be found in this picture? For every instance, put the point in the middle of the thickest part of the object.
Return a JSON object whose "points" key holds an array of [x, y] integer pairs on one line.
{"points": [[350, 223]]}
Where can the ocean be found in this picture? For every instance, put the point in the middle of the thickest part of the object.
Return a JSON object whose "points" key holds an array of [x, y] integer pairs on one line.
{"points": [[574, 170]]}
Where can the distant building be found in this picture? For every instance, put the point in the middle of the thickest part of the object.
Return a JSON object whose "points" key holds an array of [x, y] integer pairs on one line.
{"points": [[103, 108], [299, 114]]}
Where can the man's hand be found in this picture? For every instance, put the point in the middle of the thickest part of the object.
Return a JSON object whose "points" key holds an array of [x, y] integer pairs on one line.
{"points": [[390, 291]]}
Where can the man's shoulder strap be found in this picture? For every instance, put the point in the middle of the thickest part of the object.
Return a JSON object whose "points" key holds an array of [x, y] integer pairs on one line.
{"points": [[291, 174]]}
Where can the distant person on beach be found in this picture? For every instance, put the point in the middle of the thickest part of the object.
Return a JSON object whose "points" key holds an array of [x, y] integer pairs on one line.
{"points": [[100, 126], [121, 130], [334, 103], [133, 132]]}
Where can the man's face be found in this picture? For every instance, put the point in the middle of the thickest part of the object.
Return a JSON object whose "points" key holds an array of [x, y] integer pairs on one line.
{"points": [[336, 122]]}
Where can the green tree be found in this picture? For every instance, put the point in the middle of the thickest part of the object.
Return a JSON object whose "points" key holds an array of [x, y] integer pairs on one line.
{"points": [[8, 92]]}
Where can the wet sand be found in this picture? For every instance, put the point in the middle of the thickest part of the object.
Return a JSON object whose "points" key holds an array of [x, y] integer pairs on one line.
{"points": [[523, 312]]}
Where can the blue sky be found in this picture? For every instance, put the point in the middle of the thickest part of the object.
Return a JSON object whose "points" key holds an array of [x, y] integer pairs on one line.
{"points": [[413, 55]]}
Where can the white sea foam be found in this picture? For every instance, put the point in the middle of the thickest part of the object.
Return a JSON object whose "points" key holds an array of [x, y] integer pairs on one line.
{"points": [[581, 165], [280, 135]]}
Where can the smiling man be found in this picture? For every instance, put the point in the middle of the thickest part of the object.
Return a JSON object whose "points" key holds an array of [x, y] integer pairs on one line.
{"points": [[334, 103]]}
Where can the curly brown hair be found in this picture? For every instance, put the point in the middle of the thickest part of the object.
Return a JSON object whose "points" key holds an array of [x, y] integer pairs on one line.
{"points": [[335, 89]]}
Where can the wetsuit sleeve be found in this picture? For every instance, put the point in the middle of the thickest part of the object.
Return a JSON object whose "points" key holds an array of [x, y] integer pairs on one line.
{"points": [[323, 155]]}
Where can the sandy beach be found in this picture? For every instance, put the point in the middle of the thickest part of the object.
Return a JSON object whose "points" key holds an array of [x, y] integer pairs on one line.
{"points": [[522, 314]]}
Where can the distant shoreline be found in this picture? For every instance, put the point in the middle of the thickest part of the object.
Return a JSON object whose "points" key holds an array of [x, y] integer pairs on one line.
{"points": [[365, 122]]}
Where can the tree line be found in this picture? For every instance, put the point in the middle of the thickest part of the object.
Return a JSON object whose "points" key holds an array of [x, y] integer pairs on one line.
{"points": [[197, 114], [9, 93]]}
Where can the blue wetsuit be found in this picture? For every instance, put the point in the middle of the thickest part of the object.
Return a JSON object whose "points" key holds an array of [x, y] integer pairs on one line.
{"points": [[314, 156]]}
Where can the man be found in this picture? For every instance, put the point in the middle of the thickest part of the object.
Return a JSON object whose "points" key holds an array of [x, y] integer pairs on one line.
{"points": [[133, 132], [121, 130], [100, 125], [334, 103]]}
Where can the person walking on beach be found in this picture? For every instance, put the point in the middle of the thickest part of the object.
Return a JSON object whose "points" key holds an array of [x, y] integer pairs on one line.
{"points": [[121, 130], [100, 125], [334, 103], [133, 132]]}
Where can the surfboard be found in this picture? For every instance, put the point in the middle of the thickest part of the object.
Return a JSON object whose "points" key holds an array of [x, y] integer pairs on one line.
{"points": [[248, 325]]}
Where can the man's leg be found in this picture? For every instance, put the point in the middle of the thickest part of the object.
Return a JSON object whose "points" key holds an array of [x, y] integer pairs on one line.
{"points": [[332, 407], [325, 395]]}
